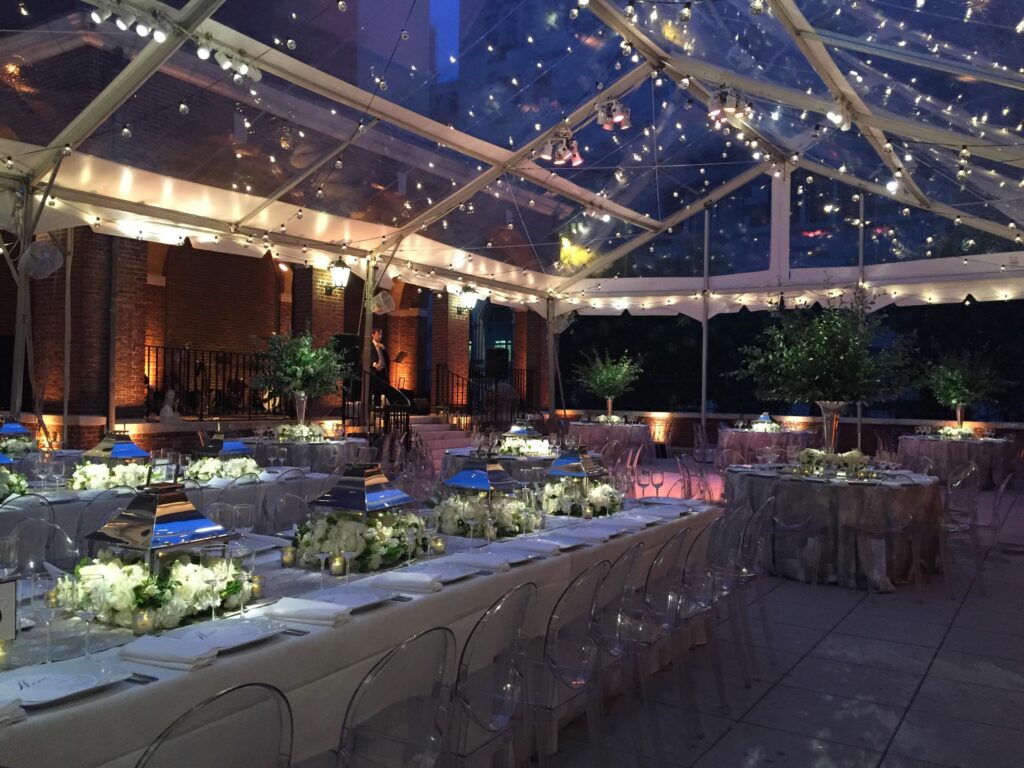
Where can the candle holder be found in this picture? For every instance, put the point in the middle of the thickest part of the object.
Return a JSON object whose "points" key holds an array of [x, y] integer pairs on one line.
{"points": [[337, 566], [143, 622], [257, 583], [288, 555], [439, 544]]}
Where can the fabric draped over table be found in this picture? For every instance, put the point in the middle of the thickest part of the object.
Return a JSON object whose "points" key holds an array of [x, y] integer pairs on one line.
{"points": [[596, 436], [833, 509], [747, 442], [517, 466], [994, 457], [319, 457]]}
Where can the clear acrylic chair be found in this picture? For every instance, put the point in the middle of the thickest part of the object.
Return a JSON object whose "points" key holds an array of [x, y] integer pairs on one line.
{"points": [[288, 511], [292, 482], [39, 541], [876, 525], [961, 522], [562, 671], [102, 508], [244, 489], [248, 725], [488, 696], [398, 715], [921, 465]]}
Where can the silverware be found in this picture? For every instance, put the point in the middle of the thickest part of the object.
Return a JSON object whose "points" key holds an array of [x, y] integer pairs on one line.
{"points": [[295, 632], [140, 679]]}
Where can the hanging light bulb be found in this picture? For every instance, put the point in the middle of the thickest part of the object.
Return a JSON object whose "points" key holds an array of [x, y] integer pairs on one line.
{"points": [[182, 108], [630, 11], [961, 173], [126, 131], [892, 186], [342, 6], [965, 154], [686, 13], [756, 7]]}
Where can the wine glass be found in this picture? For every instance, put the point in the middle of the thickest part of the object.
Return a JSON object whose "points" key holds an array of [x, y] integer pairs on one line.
{"points": [[323, 557], [44, 467], [213, 558], [410, 543], [244, 519], [43, 586], [657, 480], [84, 586], [347, 555], [243, 560], [643, 479]]}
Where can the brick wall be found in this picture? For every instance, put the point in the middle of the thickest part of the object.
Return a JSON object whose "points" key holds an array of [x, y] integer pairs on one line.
{"points": [[215, 300], [312, 308], [450, 335], [403, 330], [530, 353]]}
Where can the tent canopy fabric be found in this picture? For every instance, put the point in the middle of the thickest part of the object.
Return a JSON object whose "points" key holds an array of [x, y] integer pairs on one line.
{"points": [[771, 151]]}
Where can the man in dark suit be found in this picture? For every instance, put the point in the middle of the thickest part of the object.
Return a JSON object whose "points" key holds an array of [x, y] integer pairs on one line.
{"points": [[381, 359]]}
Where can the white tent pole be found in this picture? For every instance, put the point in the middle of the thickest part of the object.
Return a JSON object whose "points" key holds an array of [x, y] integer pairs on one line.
{"points": [[67, 335], [368, 288], [551, 360], [704, 323], [23, 306], [860, 281]]}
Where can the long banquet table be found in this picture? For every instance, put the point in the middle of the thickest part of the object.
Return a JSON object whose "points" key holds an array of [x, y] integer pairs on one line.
{"points": [[994, 456], [830, 505], [318, 672]]}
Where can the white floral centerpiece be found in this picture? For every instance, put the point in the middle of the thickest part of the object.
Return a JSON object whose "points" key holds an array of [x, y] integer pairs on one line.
{"points": [[817, 459], [606, 418], [765, 426], [17, 447], [382, 543], [90, 477], [524, 446], [182, 590], [566, 498], [853, 461], [206, 469], [509, 517], [956, 433], [11, 483], [301, 433]]}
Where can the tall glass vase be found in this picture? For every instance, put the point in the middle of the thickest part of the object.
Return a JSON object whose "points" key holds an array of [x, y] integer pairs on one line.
{"points": [[301, 399], [830, 412], [608, 402], [960, 408]]}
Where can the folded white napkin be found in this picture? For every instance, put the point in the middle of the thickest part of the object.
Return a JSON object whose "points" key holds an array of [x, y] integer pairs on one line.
{"points": [[587, 534], [267, 477], [406, 581], [11, 712], [483, 562], [169, 652], [532, 545], [299, 611]]}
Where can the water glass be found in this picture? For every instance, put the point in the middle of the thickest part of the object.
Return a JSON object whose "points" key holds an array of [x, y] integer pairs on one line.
{"points": [[244, 519], [213, 557], [43, 609], [84, 586], [323, 557], [8, 555]]}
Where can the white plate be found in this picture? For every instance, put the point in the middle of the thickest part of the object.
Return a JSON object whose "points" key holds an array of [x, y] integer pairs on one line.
{"points": [[355, 598], [445, 573], [642, 520], [229, 634], [39, 687]]}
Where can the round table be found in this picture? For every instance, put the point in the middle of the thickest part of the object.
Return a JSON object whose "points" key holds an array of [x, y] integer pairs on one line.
{"points": [[830, 505], [993, 456], [597, 436], [517, 466], [747, 442], [319, 457]]}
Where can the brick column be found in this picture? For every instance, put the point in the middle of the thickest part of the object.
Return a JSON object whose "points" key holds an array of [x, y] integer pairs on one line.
{"points": [[530, 354], [450, 336], [312, 308], [403, 334]]}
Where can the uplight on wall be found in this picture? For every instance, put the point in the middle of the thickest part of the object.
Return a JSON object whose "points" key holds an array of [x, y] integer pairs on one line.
{"points": [[339, 277]]}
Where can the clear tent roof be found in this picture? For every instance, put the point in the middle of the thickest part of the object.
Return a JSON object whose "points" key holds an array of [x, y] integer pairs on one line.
{"points": [[417, 130]]}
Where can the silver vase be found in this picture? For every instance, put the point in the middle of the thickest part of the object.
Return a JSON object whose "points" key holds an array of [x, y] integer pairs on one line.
{"points": [[830, 412]]}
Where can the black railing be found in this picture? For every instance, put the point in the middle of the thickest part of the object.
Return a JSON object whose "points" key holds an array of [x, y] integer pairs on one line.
{"points": [[489, 400], [389, 407], [208, 383]]}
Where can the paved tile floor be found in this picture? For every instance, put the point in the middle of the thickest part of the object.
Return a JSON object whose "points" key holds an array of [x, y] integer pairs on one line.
{"points": [[860, 682]]}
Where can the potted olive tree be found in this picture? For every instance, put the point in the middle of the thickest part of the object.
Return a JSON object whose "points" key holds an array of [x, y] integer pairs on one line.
{"points": [[833, 357], [293, 366], [608, 377], [963, 379]]}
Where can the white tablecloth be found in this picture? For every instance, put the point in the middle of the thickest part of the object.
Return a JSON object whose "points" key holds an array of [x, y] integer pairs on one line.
{"points": [[994, 457], [596, 436], [747, 442], [318, 672]]}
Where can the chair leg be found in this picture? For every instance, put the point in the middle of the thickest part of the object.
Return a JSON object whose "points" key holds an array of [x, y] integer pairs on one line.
{"points": [[748, 634], [739, 640], [762, 608], [716, 661]]}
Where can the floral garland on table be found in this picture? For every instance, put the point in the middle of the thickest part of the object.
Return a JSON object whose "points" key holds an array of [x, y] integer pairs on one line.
{"points": [[11, 484], [565, 498], [381, 544], [510, 517], [301, 433], [956, 433], [604, 418], [205, 469], [17, 447], [851, 461], [124, 588], [90, 477], [524, 446]]}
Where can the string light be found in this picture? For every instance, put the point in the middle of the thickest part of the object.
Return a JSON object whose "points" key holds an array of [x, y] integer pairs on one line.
{"points": [[685, 13], [756, 7]]}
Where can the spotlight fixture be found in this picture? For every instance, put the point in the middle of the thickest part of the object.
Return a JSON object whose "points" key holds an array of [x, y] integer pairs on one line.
{"points": [[143, 27], [965, 154], [124, 21], [575, 159], [548, 150], [613, 114], [563, 152], [100, 13], [161, 31], [203, 50], [718, 102], [222, 59]]}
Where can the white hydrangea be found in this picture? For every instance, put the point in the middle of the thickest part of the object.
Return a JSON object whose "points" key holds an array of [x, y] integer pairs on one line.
{"points": [[88, 477]]}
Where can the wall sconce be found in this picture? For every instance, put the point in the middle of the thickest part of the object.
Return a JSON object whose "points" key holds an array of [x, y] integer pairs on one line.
{"points": [[339, 277], [467, 300]]}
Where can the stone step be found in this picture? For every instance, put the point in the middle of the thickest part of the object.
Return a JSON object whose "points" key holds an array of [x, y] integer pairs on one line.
{"points": [[427, 427], [447, 440], [425, 419]]}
